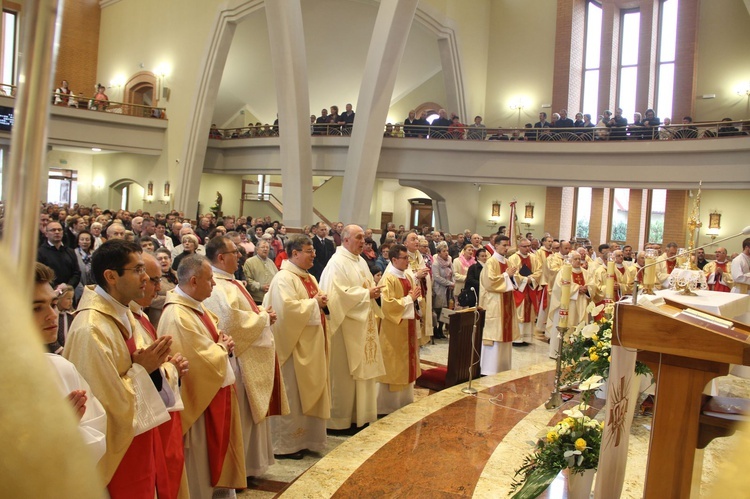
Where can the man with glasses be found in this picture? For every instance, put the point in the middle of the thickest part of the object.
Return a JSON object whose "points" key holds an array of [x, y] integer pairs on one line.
{"points": [[526, 295], [127, 379], [61, 259], [260, 389]]}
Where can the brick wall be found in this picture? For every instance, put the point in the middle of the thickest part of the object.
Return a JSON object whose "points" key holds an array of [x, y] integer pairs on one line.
{"points": [[685, 73], [675, 217], [552, 209], [635, 218], [569, 47], [597, 210], [567, 210], [79, 46]]}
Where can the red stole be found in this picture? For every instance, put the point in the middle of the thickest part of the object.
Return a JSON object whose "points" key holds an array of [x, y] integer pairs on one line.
{"points": [[527, 297], [274, 405], [218, 416], [508, 307], [670, 265], [171, 459], [412, 331], [312, 290], [135, 477], [718, 286]]}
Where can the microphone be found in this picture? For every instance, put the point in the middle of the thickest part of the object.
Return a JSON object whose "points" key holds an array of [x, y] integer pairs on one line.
{"points": [[637, 283]]}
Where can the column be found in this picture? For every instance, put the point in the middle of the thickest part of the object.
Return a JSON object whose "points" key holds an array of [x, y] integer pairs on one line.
{"points": [[552, 210], [675, 217], [636, 220], [389, 38], [685, 74], [289, 61], [610, 50], [567, 77]]}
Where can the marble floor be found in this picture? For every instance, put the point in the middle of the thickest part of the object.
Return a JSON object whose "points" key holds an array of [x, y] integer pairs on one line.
{"points": [[449, 444]]}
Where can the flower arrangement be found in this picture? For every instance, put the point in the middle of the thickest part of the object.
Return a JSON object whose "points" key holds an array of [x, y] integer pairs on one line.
{"points": [[572, 443], [587, 352]]}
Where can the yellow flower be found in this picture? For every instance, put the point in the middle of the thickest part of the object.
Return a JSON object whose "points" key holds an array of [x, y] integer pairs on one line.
{"points": [[600, 344], [593, 356], [594, 338], [592, 350], [552, 436], [570, 421], [580, 444], [609, 359]]}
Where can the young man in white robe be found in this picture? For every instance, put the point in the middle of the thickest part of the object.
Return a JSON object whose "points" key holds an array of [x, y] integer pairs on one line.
{"points": [[356, 356], [260, 388], [302, 345], [90, 413]]}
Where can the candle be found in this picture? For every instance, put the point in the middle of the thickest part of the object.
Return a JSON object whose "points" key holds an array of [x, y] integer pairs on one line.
{"points": [[565, 278], [649, 274], [609, 291]]}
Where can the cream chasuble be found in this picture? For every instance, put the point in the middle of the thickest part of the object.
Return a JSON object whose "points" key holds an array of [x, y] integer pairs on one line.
{"points": [[398, 331], [416, 262], [300, 335]]}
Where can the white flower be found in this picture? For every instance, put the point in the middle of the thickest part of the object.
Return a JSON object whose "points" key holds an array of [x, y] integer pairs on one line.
{"points": [[594, 309], [574, 413], [590, 330], [592, 383]]}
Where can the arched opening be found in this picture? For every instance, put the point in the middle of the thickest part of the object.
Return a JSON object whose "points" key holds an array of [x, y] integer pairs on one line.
{"points": [[141, 90], [126, 193]]}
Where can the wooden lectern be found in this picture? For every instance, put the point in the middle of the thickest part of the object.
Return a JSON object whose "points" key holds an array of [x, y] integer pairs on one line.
{"points": [[460, 355], [684, 353]]}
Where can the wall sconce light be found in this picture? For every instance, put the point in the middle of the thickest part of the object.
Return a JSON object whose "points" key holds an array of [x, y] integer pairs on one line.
{"points": [[518, 104], [743, 89], [714, 225], [167, 194], [98, 183]]}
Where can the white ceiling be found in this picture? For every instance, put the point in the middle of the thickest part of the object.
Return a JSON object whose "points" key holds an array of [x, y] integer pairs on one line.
{"points": [[337, 37]]}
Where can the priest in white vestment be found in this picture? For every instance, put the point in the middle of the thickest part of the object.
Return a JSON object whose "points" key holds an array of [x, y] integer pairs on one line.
{"points": [[356, 356], [260, 388], [421, 274], [583, 289], [741, 269], [302, 347], [497, 282]]}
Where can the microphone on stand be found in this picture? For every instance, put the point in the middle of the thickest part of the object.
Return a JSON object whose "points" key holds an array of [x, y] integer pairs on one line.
{"points": [[469, 390], [636, 284]]}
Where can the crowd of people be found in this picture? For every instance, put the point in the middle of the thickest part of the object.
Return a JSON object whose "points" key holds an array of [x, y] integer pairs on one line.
{"points": [[203, 351], [64, 96], [608, 126]]}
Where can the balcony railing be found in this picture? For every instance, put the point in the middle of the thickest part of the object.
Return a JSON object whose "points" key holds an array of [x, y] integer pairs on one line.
{"points": [[82, 102], [693, 131]]}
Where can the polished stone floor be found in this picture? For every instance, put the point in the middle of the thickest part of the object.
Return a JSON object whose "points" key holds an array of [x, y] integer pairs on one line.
{"points": [[449, 444]]}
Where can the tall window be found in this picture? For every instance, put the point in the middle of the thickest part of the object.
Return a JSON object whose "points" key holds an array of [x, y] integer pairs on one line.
{"points": [[9, 48], [629, 27], [620, 202], [656, 216], [583, 212], [62, 186], [667, 43], [591, 59]]}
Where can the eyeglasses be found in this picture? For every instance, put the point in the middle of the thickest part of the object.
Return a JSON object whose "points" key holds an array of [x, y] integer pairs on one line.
{"points": [[155, 280], [140, 269], [54, 230], [400, 257], [235, 252]]}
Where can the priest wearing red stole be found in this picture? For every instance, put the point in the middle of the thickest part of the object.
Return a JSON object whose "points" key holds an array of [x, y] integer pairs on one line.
{"points": [[719, 272], [544, 257], [125, 376], [214, 454], [399, 331], [260, 388], [302, 345], [665, 264], [526, 296], [620, 287], [497, 282], [171, 480]]}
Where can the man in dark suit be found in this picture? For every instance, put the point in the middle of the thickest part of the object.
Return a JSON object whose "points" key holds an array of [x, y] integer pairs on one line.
{"points": [[542, 123], [324, 249]]}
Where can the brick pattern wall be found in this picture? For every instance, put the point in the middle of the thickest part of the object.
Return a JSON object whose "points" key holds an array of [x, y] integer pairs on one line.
{"points": [[79, 46], [566, 213], [552, 209], [609, 56], [569, 47], [597, 210], [685, 77], [645, 96], [635, 228], [675, 217]]}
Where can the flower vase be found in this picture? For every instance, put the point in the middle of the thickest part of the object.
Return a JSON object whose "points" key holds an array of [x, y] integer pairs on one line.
{"points": [[579, 485], [601, 392]]}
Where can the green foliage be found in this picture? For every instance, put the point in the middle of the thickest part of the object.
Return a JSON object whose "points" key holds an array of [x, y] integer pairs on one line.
{"points": [[582, 228], [620, 231], [656, 231]]}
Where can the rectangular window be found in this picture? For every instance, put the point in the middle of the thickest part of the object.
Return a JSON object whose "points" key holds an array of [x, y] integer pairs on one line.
{"points": [[583, 212], [667, 50], [619, 228], [629, 38], [9, 49], [590, 94], [62, 186], [656, 216]]}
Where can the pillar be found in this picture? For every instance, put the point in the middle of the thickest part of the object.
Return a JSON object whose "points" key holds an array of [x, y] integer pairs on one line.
{"points": [[610, 50], [645, 94], [567, 77], [289, 61], [389, 38], [685, 64]]}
